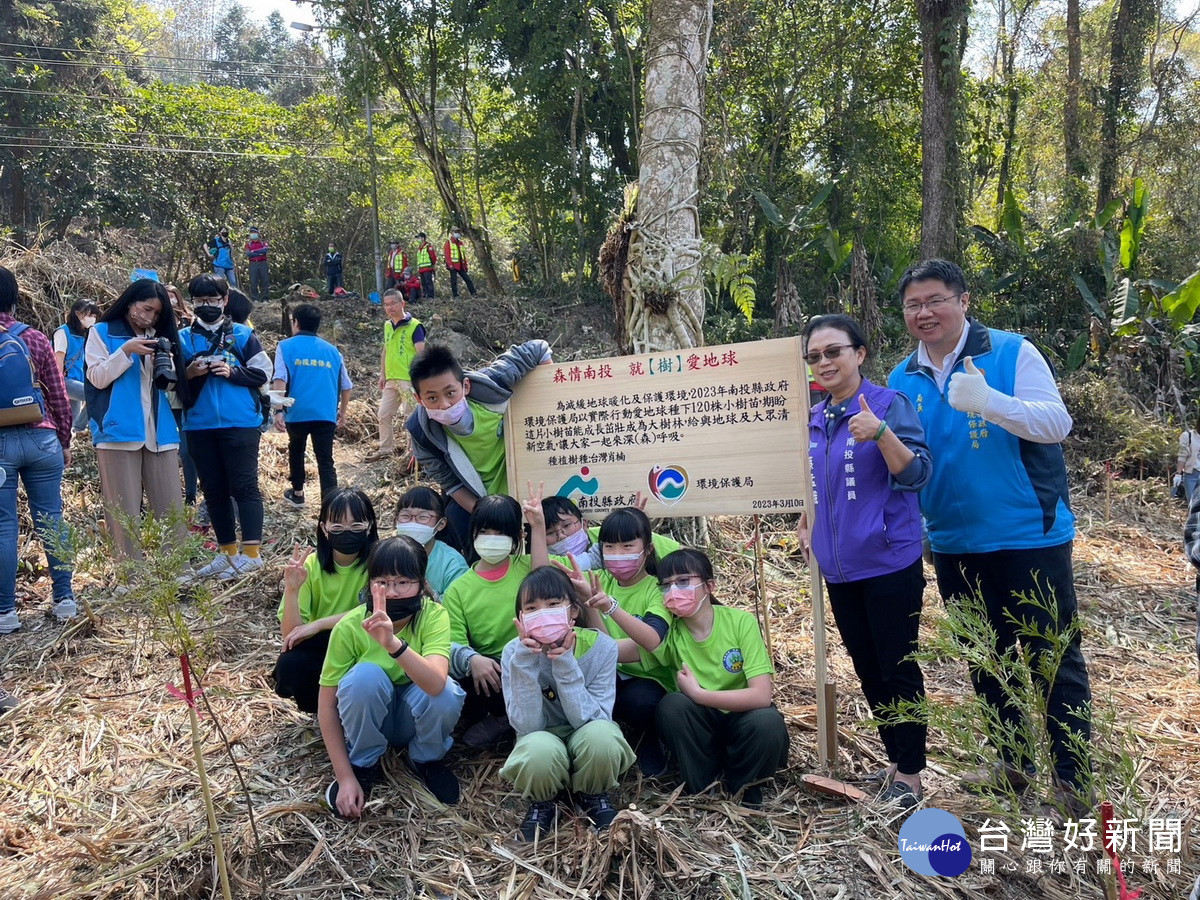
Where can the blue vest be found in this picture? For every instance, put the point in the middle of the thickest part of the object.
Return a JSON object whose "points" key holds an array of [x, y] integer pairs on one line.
{"points": [[990, 490], [73, 358], [314, 369], [224, 255], [115, 413], [220, 404]]}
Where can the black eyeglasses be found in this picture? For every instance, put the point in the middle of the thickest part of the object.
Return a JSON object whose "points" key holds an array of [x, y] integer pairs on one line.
{"points": [[933, 304], [829, 353]]}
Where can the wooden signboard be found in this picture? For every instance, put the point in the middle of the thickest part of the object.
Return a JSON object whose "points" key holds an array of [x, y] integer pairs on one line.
{"points": [[708, 431]]}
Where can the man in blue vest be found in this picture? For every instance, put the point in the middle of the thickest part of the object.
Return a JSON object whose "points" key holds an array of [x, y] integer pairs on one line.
{"points": [[311, 371], [997, 509]]}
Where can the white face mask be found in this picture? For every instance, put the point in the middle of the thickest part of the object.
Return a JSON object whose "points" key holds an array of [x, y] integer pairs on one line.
{"points": [[87, 321], [449, 416], [493, 547], [422, 534]]}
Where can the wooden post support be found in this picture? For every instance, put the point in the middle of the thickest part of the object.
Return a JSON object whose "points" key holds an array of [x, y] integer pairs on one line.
{"points": [[764, 607], [825, 689]]}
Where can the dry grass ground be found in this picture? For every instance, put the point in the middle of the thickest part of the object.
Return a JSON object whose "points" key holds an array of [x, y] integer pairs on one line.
{"points": [[99, 796]]}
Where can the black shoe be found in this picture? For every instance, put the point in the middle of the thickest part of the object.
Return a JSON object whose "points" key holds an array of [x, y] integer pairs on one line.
{"points": [[290, 497], [598, 808], [651, 757], [436, 775], [541, 819], [368, 777]]}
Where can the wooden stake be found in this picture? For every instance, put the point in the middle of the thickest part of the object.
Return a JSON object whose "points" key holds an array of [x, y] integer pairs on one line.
{"points": [[765, 614], [826, 690], [202, 772]]}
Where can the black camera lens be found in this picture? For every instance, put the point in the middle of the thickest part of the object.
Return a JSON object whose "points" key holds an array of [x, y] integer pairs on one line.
{"points": [[164, 365]]}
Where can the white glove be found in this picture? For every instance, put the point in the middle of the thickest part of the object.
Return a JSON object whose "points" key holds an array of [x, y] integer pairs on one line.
{"points": [[969, 391]]}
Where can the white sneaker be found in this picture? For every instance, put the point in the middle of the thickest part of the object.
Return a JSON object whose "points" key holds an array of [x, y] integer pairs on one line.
{"points": [[65, 609], [240, 566], [9, 622], [219, 563]]}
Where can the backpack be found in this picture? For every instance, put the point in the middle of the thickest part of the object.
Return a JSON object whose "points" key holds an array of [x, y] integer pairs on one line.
{"points": [[22, 399]]}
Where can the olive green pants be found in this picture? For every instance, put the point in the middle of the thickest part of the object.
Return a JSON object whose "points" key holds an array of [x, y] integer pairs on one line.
{"points": [[589, 760]]}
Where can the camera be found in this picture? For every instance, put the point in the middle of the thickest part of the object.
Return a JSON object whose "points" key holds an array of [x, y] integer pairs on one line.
{"points": [[164, 365]]}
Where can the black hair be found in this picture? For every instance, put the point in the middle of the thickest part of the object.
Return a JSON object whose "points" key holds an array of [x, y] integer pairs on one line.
{"points": [[307, 316], [421, 497], [400, 556], [238, 307], [687, 561], [208, 286], [929, 269], [555, 507], [8, 290], [422, 235], [496, 512], [839, 322], [433, 361], [334, 506], [146, 289], [392, 292], [628, 524], [78, 308], [550, 583]]}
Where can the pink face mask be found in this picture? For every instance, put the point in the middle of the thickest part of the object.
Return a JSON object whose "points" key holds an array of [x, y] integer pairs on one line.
{"points": [[449, 416], [623, 565], [547, 626], [682, 601]]}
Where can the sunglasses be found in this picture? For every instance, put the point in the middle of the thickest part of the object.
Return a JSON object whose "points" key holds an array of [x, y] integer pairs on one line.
{"points": [[829, 353]]}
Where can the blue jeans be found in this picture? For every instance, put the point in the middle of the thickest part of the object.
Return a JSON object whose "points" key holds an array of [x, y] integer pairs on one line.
{"points": [[228, 274], [1190, 479], [78, 408], [36, 455], [377, 713]]}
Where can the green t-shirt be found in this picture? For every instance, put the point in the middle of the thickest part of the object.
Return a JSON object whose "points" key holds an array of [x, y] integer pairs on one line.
{"points": [[726, 661], [638, 600], [484, 447], [482, 612], [445, 566], [428, 633], [328, 593]]}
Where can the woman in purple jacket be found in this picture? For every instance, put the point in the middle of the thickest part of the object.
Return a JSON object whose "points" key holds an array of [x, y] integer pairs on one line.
{"points": [[869, 459]]}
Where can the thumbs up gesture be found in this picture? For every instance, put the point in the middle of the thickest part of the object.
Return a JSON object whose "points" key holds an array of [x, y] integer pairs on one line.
{"points": [[864, 425], [969, 390]]}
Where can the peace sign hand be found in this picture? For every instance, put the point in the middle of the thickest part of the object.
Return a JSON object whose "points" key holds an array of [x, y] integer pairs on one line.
{"points": [[295, 573], [579, 581], [532, 506]]}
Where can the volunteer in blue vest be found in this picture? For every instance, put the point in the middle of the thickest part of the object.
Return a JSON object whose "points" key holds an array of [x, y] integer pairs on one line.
{"points": [[456, 263], [312, 372], [425, 259], [869, 460], [226, 367], [997, 509], [133, 430], [403, 339], [221, 252], [69, 340]]}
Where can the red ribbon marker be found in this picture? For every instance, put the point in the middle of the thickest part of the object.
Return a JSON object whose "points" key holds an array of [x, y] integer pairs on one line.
{"points": [[188, 695], [1106, 814]]}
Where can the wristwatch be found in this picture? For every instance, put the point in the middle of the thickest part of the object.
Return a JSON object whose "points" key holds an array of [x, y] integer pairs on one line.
{"points": [[399, 653]]}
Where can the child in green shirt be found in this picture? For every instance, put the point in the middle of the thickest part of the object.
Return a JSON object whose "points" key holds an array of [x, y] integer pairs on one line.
{"points": [[318, 589], [386, 683], [420, 515], [559, 683], [721, 723], [480, 604]]}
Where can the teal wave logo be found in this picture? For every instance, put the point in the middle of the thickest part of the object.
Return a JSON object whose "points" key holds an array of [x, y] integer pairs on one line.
{"points": [[668, 484], [579, 482]]}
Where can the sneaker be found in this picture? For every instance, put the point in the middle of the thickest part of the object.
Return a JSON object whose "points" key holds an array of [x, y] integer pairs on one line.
{"points": [[220, 563], [901, 795], [202, 520], [541, 819], [65, 609], [7, 701], [241, 565], [9, 622], [290, 497], [436, 776], [598, 808], [487, 732], [651, 757], [998, 777], [368, 777]]}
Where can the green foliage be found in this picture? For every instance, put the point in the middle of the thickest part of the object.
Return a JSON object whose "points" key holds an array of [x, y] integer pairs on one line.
{"points": [[730, 272], [1136, 211], [1109, 428]]}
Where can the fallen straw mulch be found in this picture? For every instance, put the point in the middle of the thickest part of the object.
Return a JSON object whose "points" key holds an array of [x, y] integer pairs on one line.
{"points": [[99, 798]]}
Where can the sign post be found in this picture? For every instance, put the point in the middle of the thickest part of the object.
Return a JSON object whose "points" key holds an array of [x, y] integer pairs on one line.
{"points": [[701, 431]]}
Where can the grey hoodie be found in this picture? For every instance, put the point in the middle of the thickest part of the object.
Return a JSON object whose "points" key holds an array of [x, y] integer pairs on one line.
{"points": [[541, 693]]}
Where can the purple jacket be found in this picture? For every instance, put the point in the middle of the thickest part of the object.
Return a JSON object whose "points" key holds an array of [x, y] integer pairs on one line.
{"points": [[867, 521]]}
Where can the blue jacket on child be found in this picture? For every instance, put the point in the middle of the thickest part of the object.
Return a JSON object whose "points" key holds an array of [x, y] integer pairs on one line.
{"points": [[220, 402]]}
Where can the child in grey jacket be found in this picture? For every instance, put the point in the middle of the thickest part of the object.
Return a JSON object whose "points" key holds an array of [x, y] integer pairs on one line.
{"points": [[559, 684]]}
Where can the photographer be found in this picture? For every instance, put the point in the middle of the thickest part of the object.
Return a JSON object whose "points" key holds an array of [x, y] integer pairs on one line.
{"points": [[133, 359], [226, 366]]}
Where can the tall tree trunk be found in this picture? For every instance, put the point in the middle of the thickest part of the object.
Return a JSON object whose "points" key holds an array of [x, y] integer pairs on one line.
{"points": [[1076, 168], [1130, 33], [664, 306], [943, 36]]}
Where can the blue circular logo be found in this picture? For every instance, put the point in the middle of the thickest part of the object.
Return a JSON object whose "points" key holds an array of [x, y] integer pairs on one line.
{"points": [[933, 842], [733, 660]]}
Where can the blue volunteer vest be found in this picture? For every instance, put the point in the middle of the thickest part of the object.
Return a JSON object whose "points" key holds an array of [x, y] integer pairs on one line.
{"points": [[314, 368], [115, 413], [990, 490], [220, 404], [73, 358]]}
